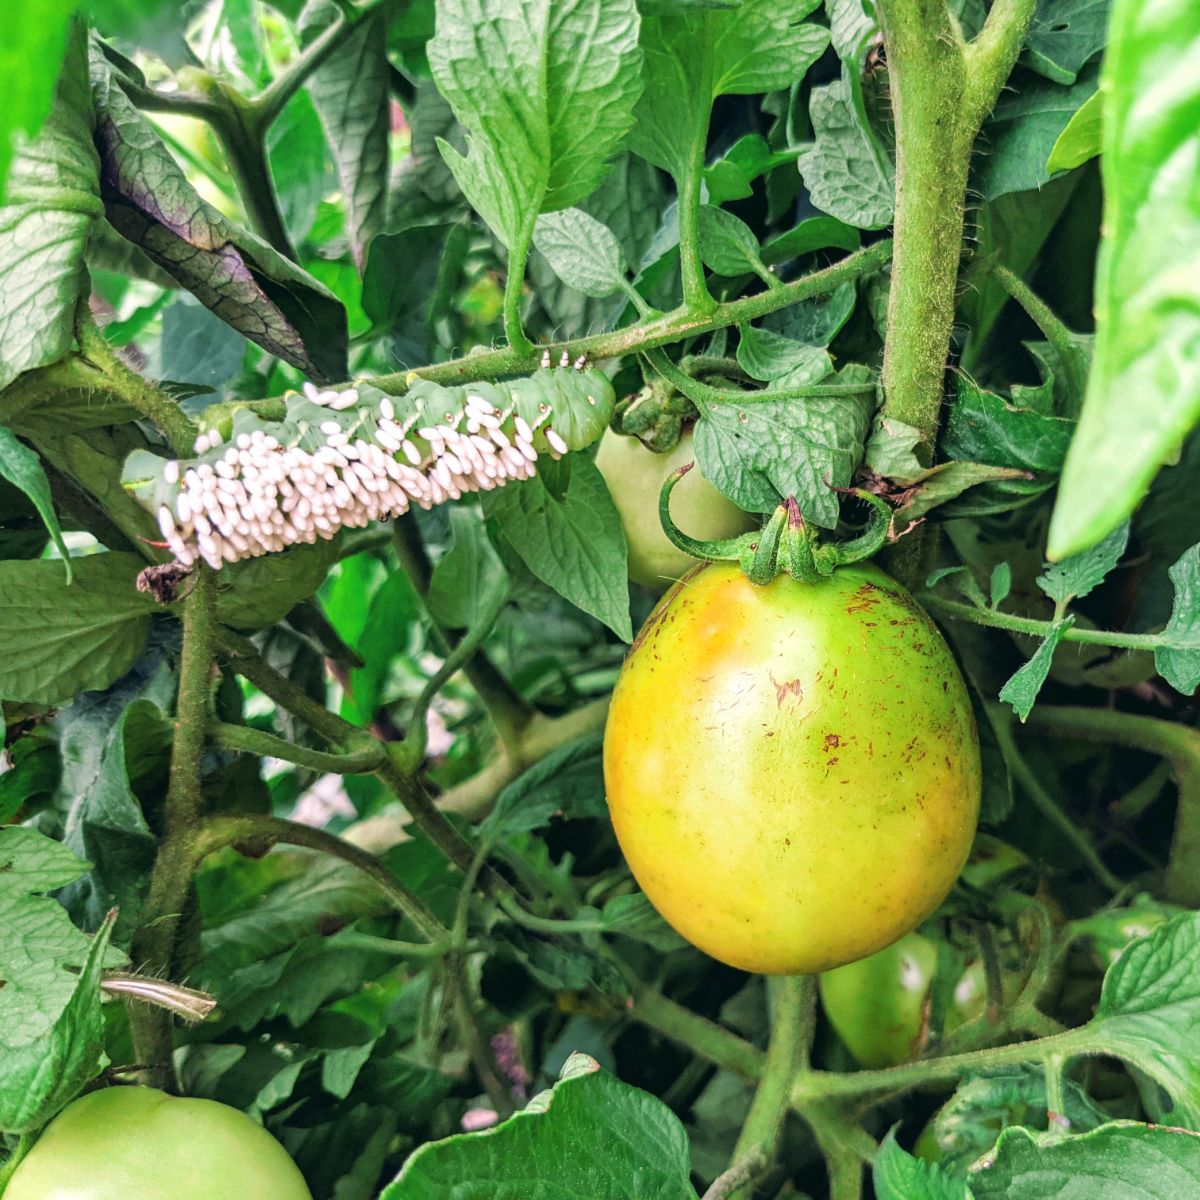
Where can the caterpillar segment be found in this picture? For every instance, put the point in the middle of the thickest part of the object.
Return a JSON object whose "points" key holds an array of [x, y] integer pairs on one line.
{"points": [[341, 459]]}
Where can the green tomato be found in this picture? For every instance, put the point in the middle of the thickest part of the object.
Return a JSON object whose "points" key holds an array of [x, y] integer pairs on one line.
{"points": [[134, 1143], [635, 477], [792, 770], [880, 1005]]}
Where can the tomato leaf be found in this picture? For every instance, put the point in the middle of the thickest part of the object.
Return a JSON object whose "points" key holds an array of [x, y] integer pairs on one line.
{"points": [[727, 244], [51, 206], [23, 469], [575, 545], [1147, 318], [1022, 131], [847, 175], [1082, 138], [762, 451], [768, 356], [1022, 689], [898, 1175], [815, 233], [1149, 1004], [1178, 662], [1137, 1162], [51, 1029], [1078, 575], [583, 252], [149, 201], [1064, 35], [350, 93], [545, 93], [55, 642], [590, 1138], [982, 427], [470, 577]]}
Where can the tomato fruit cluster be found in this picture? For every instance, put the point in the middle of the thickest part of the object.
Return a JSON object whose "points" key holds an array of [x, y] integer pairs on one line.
{"points": [[792, 769], [135, 1143]]}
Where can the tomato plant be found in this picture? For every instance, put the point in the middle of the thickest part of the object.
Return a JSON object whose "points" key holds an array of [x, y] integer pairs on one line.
{"points": [[369, 367], [139, 1143]]}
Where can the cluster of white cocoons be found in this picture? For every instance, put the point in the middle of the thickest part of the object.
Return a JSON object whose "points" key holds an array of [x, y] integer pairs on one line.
{"points": [[362, 464]]}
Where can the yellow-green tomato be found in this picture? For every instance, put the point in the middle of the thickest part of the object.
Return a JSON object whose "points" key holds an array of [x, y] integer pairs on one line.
{"points": [[134, 1143], [792, 770], [635, 477]]}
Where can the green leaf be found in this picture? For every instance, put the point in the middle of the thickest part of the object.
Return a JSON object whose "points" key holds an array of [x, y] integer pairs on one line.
{"points": [[51, 206], [635, 917], [889, 451], [846, 174], [545, 92], [583, 252], [470, 577], [198, 346], [1082, 138], [982, 427], [814, 233], [249, 285], [257, 592], [1076, 576], [1022, 131], [1064, 35], [575, 545], [817, 320], [386, 634], [966, 1126], [1000, 585], [730, 176], [23, 469], [946, 482], [762, 451], [591, 1138], [900, 1176], [766, 356], [1021, 691], [1179, 662], [350, 92], [104, 821], [42, 1076], [695, 54], [1149, 1008], [568, 779], [727, 244], [1119, 1161], [1147, 315], [56, 641]]}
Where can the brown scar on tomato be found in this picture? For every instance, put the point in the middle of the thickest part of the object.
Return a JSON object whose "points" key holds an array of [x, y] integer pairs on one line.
{"points": [[783, 690], [832, 742]]}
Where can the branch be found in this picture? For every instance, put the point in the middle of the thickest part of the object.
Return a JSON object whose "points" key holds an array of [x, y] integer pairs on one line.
{"points": [[792, 1002], [243, 740], [697, 1033], [1178, 744], [744, 1171], [992, 55]]}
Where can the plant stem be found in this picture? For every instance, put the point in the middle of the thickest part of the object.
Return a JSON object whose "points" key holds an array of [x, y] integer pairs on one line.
{"points": [[514, 287], [1043, 316], [993, 619], [154, 942], [505, 706], [1178, 744], [244, 740], [696, 297], [941, 91], [477, 1049], [264, 832], [243, 138], [792, 1000], [139, 393], [662, 330], [744, 1171], [1050, 808], [697, 1033]]}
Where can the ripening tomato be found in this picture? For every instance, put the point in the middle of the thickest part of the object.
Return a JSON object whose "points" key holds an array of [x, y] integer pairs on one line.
{"points": [[635, 477], [135, 1143], [792, 769]]}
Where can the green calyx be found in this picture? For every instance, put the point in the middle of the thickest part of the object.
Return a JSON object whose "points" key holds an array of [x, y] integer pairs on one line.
{"points": [[786, 544]]}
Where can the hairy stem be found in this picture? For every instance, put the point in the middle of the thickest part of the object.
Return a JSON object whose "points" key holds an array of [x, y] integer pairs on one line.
{"points": [[697, 1033], [244, 740], [941, 91], [1178, 744], [514, 287], [154, 943], [696, 297], [792, 1000]]}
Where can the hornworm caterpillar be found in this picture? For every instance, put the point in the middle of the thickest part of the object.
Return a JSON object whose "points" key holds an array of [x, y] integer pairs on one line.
{"points": [[347, 458]]}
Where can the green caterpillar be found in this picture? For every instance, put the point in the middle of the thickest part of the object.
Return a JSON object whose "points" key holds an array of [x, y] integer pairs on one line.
{"points": [[346, 458]]}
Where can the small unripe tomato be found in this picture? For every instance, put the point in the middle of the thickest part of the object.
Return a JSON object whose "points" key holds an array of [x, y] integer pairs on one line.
{"points": [[635, 477], [135, 1143], [792, 769]]}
